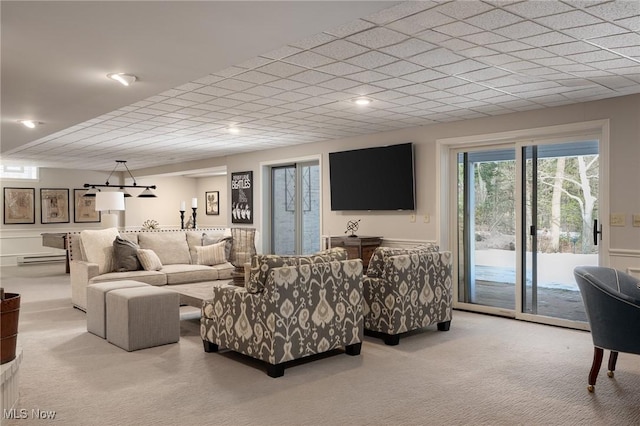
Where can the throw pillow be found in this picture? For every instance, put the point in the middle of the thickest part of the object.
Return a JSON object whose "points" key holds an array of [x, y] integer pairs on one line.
{"points": [[98, 247], [149, 260], [125, 255], [208, 240], [211, 255]]}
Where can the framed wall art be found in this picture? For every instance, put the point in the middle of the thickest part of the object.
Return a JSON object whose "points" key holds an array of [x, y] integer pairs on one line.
{"points": [[212, 199], [84, 208], [242, 197], [54, 205], [19, 205]]}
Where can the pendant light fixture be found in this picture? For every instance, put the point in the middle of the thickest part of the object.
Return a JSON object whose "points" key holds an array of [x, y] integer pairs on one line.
{"points": [[94, 188]]}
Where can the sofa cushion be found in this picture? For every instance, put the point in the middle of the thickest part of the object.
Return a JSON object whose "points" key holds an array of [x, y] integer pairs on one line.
{"points": [[98, 247], [261, 265], [149, 260], [148, 277], [213, 254], [171, 247], [181, 274], [125, 255]]}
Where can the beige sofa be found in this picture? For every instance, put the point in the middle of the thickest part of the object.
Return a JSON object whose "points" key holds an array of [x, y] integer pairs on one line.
{"points": [[91, 257]]}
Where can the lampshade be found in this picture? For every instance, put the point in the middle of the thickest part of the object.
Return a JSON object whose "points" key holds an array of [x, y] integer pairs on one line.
{"points": [[109, 201], [91, 192], [147, 193], [124, 191]]}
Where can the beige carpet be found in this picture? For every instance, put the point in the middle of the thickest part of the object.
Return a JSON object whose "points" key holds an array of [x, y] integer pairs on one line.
{"points": [[484, 371]]}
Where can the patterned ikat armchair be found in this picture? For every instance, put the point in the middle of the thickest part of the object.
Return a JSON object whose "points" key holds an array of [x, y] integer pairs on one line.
{"points": [[292, 307], [407, 289]]}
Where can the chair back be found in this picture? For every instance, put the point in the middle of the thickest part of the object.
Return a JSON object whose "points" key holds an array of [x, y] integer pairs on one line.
{"points": [[612, 303]]}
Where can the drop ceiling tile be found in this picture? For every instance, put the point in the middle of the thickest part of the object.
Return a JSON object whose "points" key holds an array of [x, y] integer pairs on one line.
{"points": [[420, 22], [612, 64], [598, 55], [371, 59], [522, 30], [495, 18], [316, 101], [416, 89], [477, 52], [509, 46], [423, 76], [229, 72], [220, 103], [282, 52], [408, 100], [232, 84], [308, 59], [484, 38], [393, 83], [571, 48], [572, 19], [436, 57], [364, 89], [244, 97], [338, 84], [616, 82], [400, 68], [165, 107], [388, 95], [431, 36], [632, 51], [573, 68], [256, 77], [520, 66], [484, 74], [464, 66], [290, 96], [593, 31], [376, 38], [340, 49], [446, 83], [466, 89], [410, 47], [349, 28], [368, 76], [536, 9], [399, 11], [531, 54], [263, 91], [458, 29], [310, 77], [616, 41], [195, 97], [547, 39], [290, 84], [340, 69], [212, 91], [463, 10], [180, 102], [631, 23], [456, 44], [616, 10]]}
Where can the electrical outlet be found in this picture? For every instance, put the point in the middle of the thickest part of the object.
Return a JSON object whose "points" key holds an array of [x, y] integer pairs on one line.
{"points": [[426, 218], [636, 220], [412, 218], [617, 219]]}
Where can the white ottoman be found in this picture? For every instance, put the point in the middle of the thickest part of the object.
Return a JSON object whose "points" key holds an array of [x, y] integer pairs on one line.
{"points": [[96, 304], [142, 317]]}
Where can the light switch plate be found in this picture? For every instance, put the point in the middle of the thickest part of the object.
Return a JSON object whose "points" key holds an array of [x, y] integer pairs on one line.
{"points": [[617, 219], [636, 220]]}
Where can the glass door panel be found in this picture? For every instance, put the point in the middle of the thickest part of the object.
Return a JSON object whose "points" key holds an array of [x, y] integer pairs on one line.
{"points": [[560, 193]]}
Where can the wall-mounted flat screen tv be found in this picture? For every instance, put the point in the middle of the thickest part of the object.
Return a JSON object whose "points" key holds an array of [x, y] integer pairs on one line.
{"points": [[379, 178]]}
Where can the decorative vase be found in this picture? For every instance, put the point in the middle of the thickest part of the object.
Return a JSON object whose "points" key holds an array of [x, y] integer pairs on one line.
{"points": [[9, 313]]}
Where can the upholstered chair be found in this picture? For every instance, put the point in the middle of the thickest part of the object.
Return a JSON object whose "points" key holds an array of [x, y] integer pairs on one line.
{"points": [[612, 303], [405, 290]]}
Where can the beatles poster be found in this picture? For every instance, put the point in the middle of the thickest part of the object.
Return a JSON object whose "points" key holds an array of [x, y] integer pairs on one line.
{"points": [[242, 197]]}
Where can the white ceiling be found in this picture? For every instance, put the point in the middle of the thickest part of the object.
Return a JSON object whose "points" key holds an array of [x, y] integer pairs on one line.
{"points": [[420, 63]]}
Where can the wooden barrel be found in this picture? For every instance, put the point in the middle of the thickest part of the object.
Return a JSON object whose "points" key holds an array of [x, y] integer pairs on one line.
{"points": [[9, 313]]}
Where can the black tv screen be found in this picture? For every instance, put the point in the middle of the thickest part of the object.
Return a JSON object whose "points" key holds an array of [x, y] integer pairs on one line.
{"points": [[380, 178]]}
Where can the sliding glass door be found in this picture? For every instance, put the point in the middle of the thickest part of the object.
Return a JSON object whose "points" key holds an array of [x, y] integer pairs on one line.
{"points": [[295, 208], [527, 215]]}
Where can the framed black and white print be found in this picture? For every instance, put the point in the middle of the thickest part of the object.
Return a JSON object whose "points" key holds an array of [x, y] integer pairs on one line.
{"points": [[242, 197], [212, 199], [19, 206], [84, 208], [54, 205]]}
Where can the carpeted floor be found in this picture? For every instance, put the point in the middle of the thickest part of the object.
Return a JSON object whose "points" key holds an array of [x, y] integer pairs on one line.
{"points": [[484, 371]]}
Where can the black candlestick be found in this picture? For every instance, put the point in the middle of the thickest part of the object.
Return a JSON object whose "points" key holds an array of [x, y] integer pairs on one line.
{"points": [[181, 219], [194, 216]]}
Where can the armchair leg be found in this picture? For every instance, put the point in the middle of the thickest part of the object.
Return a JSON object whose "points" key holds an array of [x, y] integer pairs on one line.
{"points": [[353, 349], [209, 347], [391, 339], [444, 326], [595, 368], [613, 358], [275, 370]]}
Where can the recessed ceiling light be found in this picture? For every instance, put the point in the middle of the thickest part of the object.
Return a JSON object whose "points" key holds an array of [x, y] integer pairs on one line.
{"points": [[362, 101], [122, 78], [233, 130], [29, 123]]}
